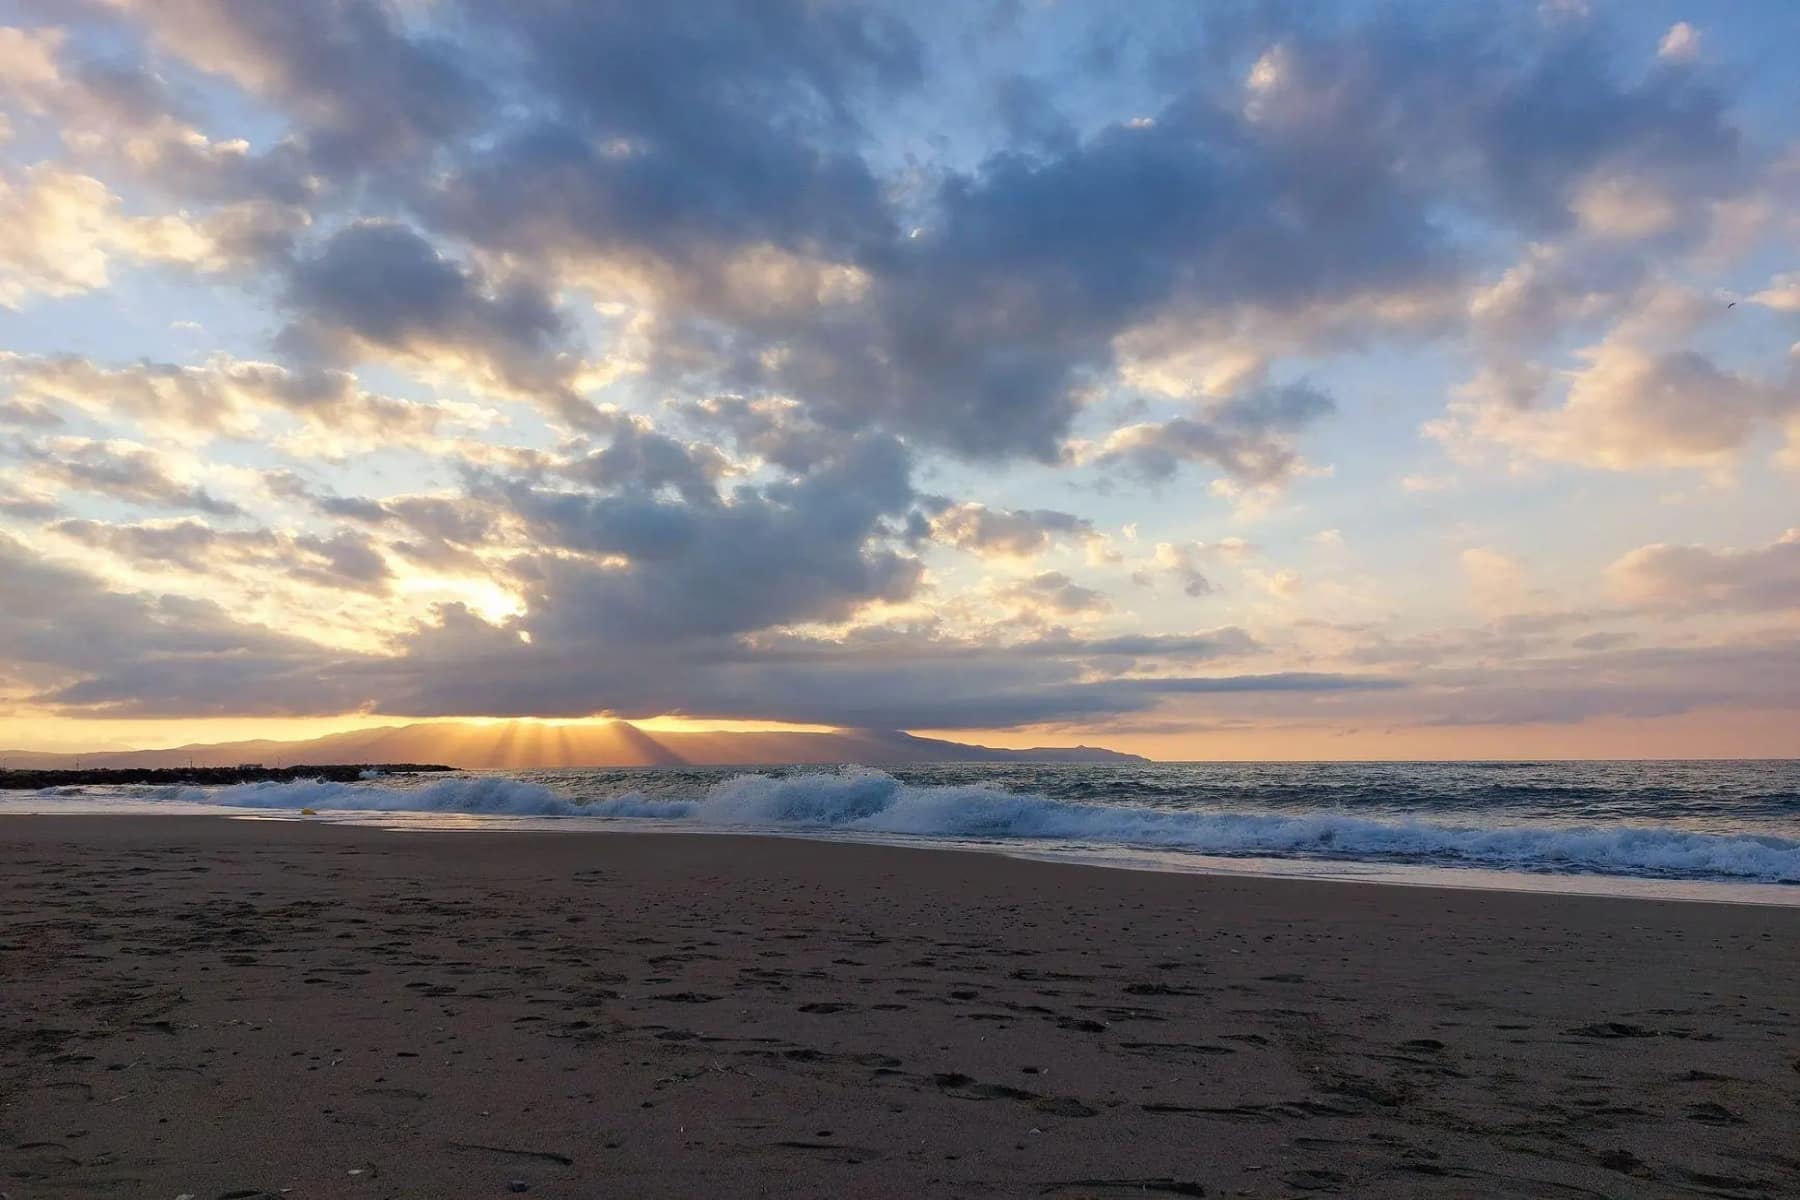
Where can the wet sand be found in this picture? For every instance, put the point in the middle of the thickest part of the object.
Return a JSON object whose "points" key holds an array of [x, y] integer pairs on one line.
{"points": [[215, 1008]]}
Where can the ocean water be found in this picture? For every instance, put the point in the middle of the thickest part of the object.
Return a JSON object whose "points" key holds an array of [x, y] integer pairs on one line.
{"points": [[1723, 830]]}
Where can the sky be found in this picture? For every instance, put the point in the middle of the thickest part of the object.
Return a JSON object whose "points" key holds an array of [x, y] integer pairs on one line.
{"points": [[1252, 380]]}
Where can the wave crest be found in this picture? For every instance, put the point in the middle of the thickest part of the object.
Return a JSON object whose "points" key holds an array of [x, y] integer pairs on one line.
{"points": [[490, 794], [869, 801]]}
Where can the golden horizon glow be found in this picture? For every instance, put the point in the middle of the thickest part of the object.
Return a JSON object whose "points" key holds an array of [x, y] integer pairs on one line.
{"points": [[1721, 734], [69, 735], [1718, 734]]}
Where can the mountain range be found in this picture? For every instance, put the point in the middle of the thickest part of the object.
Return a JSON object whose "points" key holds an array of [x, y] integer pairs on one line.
{"points": [[527, 744]]}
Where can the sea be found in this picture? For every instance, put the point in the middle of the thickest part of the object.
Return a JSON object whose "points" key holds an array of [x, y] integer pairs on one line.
{"points": [[1702, 830]]}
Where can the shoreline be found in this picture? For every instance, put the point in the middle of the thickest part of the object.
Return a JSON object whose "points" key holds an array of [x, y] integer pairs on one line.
{"points": [[212, 1005], [1149, 859]]}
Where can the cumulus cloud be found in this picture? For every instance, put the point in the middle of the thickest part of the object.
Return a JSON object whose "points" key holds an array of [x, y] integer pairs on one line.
{"points": [[1554, 286], [1184, 562], [793, 307], [27, 414], [1006, 533], [1292, 217], [222, 397], [1632, 406], [667, 135], [640, 459], [28, 64], [120, 469], [459, 519], [342, 560], [1680, 44], [774, 430], [364, 88], [1282, 584], [1247, 438], [450, 533], [65, 229], [27, 505], [125, 117], [380, 290], [94, 650], [1633, 401], [1701, 579], [792, 551], [1053, 592], [1782, 294]]}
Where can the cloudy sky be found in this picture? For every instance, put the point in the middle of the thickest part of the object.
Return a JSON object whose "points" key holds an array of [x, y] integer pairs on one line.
{"points": [[1262, 380]]}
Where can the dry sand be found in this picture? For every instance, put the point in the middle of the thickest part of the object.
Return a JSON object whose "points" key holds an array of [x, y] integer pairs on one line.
{"points": [[232, 1009]]}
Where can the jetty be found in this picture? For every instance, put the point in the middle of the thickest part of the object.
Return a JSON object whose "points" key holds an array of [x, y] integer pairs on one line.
{"points": [[33, 779]]}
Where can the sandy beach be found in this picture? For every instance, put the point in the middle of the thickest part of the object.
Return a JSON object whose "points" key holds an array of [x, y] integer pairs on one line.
{"points": [[211, 1008]]}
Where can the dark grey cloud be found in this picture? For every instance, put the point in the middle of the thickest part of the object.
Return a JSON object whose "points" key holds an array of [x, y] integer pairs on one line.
{"points": [[1300, 205], [796, 550], [1028, 110], [643, 461], [774, 430], [1546, 127], [662, 134], [1283, 681], [350, 508], [884, 644], [378, 289], [869, 678], [673, 143], [1227, 642], [908, 700], [682, 146]]}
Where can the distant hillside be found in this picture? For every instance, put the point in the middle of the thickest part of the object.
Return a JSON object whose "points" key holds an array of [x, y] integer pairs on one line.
{"points": [[522, 744]]}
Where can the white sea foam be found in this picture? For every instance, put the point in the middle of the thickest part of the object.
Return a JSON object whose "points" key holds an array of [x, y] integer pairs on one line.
{"points": [[490, 794], [860, 800]]}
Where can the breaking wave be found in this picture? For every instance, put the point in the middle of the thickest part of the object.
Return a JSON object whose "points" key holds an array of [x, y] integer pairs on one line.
{"points": [[857, 800], [480, 794]]}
